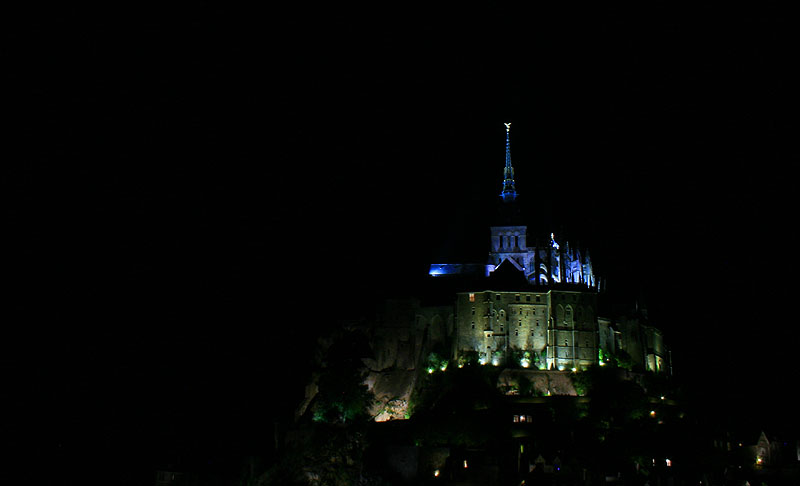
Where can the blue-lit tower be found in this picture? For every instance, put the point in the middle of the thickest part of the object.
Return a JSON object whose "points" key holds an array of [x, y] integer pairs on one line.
{"points": [[509, 193]]}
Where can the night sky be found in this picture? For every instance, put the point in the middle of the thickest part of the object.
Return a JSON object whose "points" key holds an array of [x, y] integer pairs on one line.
{"points": [[191, 194]]}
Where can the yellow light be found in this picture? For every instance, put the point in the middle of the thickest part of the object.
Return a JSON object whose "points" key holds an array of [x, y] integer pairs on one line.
{"points": [[465, 463], [436, 473], [652, 413]]}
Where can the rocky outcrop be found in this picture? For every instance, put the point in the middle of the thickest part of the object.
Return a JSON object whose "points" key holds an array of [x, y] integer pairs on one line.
{"points": [[543, 383]]}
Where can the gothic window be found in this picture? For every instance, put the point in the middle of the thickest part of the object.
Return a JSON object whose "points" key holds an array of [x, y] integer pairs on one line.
{"points": [[516, 297], [568, 315], [528, 298], [516, 333]]}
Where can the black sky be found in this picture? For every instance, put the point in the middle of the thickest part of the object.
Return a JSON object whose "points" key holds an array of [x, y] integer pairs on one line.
{"points": [[166, 169]]}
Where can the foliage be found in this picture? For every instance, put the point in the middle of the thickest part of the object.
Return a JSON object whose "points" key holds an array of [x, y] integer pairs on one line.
{"points": [[525, 386], [446, 406], [343, 397], [621, 359], [539, 359], [436, 362], [603, 356], [468, 358], [326, 455]]}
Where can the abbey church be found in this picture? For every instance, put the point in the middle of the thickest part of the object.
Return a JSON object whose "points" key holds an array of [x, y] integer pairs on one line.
{"points": [[538, 303]]}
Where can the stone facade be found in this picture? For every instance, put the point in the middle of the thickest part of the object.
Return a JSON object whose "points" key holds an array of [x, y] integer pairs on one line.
{"points": [[558, 328]]}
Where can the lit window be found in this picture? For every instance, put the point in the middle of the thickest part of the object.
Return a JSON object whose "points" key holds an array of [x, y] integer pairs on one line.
{"points": [[472, 297], [516, 418]]}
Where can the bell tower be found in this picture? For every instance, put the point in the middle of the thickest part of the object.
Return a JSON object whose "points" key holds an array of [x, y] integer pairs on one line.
{"points": [[509, 242]]}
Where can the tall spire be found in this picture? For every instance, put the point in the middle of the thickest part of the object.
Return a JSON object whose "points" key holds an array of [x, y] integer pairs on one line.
{"points": [[509, 192]]}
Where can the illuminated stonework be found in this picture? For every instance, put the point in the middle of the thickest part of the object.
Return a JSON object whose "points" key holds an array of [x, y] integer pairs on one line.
{"points": [[544, 263], [558, 329], [550, 318]]}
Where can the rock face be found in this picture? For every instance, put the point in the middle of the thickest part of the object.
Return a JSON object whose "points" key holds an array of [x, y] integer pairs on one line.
{"points": [[392, 391], [543, 383], [405, 334], [399, 342]]}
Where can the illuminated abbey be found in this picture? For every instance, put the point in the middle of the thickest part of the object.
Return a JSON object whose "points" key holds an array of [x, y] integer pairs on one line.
{"points": [[537, 303], [532, 308]]}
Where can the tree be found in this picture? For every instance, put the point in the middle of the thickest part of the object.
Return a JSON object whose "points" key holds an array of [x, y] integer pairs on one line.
{"points": [[343, 397]]}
